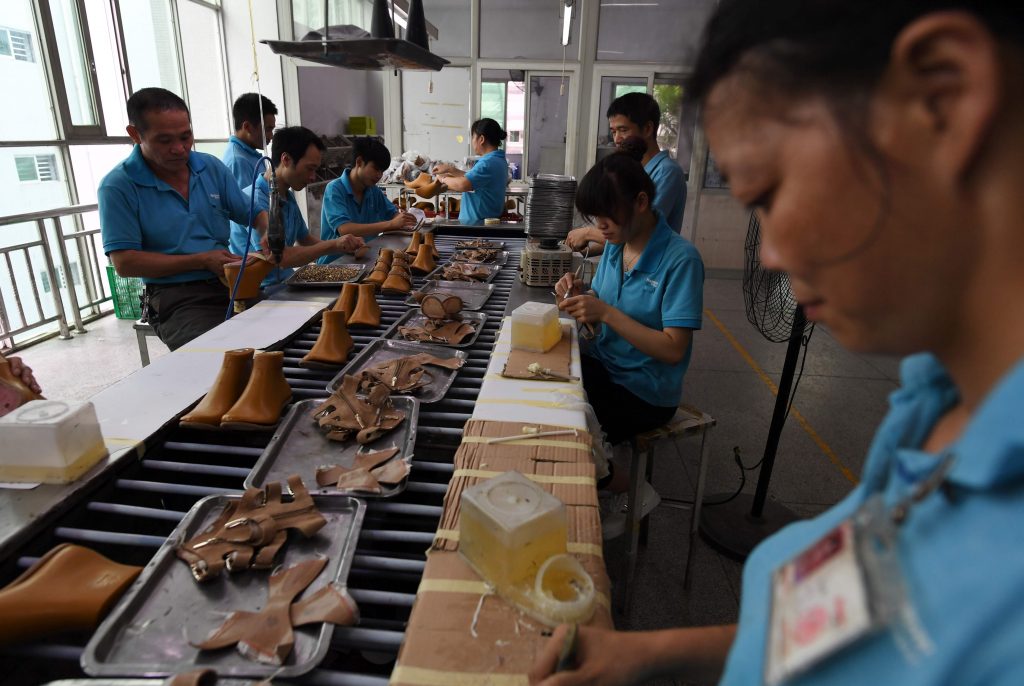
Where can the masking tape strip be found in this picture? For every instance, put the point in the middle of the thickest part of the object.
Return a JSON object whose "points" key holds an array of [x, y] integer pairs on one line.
{"points": [[114, 441], [530, 403], [539, 478], [419, 676], [526, 440], [574, 547], [477, 588]]}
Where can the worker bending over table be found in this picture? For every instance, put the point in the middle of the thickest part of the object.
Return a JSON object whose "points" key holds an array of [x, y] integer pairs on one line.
{"points": [[483, 186], [296, 157], [638, 115], [165, 215], [252, 130], [353, 203], [646, 300], [880, 144]]}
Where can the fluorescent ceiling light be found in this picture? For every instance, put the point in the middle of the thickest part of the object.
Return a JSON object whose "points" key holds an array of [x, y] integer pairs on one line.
{"points": [[566, 22], [629, 4]]}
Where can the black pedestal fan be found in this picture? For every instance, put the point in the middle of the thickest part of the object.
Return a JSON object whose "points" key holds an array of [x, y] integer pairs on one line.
{"points": [[735, 523]]}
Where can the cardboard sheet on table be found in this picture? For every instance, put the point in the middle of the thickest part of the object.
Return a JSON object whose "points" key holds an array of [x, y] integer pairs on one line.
{"points": [[558, 360], [564, 448]]}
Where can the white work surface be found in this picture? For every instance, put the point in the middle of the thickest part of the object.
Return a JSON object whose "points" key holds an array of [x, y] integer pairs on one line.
{"points": [[558, 403]]}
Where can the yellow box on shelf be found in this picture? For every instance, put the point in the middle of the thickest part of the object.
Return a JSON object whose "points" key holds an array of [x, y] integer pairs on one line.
{"points": [[362, 126]]}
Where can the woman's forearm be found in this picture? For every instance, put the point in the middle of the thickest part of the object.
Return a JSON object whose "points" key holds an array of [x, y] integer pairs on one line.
{"points": [[663, 346], [458, 183]]}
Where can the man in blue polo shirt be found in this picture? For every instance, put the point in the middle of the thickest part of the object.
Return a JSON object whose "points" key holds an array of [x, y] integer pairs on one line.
{"points": [[354, 205], [164, 217], [638, 114], [245, 148], [296, 158]]}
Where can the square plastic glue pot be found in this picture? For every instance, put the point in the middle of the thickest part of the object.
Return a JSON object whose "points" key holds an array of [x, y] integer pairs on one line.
{"points": [[508, 527], [48, 441], [535, 327]]}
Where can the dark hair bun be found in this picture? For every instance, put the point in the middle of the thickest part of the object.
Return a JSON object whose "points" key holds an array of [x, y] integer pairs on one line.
{"points": [[504, 135], [634, 147]]}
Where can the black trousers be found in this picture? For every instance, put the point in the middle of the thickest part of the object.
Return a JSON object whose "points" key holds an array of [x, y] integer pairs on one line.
{"points": [[180, 312], [621, 413]]}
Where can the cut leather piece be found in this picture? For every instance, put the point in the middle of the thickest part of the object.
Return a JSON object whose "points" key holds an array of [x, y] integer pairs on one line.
{"points": [[424, 262], [257, 267], [249, 532], [70, 588], [441, 306], [332, 345], [464, 271], [358, 480], [451, 332], [227, 388], [266, 394], [478, 243], [332, 604], [197, 677], [266, 636], [392, 472], [367, 311], [414, 243], [404, 374], [345, 415], [478, 255], [374, 458], [346, 301]]}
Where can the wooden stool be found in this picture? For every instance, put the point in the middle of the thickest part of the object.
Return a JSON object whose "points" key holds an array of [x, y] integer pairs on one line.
{"points": [[687, 421]]}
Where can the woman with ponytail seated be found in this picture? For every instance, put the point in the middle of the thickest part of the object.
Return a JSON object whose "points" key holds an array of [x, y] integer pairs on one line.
{"points": [[646, 300], [483, 186]]}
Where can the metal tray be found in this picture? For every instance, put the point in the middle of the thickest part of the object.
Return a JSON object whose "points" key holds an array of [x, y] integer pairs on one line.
{"points": [[473, 295], [492, 270], [292, 282], [414, 317], [500, 259], [379, 350], [459, 244], [148, 632], [300, 447]]}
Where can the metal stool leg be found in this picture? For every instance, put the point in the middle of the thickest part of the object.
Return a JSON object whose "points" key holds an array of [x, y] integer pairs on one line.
{"points": [[698, 498], [645, 523], [638, 467], [143, 347]]}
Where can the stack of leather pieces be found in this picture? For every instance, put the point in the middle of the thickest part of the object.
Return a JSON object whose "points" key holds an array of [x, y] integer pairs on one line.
{"points": [[249, 393]]}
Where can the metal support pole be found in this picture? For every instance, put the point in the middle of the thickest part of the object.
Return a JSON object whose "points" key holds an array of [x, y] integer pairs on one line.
{"points": [[62, 320]]}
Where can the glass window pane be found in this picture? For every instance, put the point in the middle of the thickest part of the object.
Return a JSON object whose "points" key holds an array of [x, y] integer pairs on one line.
{"points": [[78, 86], [510, 86], [526, 29], [666, 31], [308, 15], [204, 70], [713, 177], [108, 69], [492, 102], [5, 43], [149, 39], [91, 163], [26, 167], [611, 88], [452, 19], [21, 72], [548, 125], [435, 120], [678, 120]]}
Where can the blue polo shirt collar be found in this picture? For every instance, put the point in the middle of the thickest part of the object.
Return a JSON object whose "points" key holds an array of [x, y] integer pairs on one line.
{"points": [[346, 183], [654, 251], [248, 149], [141, 173]]}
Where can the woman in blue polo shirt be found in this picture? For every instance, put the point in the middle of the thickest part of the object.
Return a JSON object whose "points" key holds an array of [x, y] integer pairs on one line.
{"points": [[647, 299], [483, 186]]}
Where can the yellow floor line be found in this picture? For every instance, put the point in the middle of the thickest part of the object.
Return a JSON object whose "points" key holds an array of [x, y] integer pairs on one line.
{"points": [[799, 418]]}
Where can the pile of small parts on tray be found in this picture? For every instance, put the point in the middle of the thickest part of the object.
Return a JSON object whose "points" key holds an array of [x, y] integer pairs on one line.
{"points": [[443, 320], [324, 273], [464, 271], [478, 255], [249, 534], [479, 243]]}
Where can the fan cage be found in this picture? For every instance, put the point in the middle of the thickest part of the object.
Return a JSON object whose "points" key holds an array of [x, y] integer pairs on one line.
{"points": [[770, 303]]}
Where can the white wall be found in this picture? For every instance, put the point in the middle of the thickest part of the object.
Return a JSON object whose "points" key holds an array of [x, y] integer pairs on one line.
{"points": [[328, 96], [238, 47], [436, 123]]}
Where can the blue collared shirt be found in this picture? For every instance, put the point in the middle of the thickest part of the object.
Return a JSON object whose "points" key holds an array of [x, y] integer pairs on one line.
{"points": [[295, 227], [138, 211], [489, 177], [341, 207], [670, 188], [665, 288], [241, 159], [962, 553]]}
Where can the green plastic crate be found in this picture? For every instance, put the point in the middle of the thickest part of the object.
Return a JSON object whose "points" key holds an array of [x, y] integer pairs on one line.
{"points": [[126, 293]]}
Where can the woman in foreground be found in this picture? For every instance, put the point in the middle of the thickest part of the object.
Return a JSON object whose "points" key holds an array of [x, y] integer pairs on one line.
{"points": [[881, 144]]}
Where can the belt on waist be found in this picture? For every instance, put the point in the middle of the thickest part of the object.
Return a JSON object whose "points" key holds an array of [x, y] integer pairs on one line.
{"points": [[154, 287]]}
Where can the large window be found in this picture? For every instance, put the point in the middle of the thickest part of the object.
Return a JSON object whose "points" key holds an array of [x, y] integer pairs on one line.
{"points": [[526, 29], [667, 31], [22, 73], [148, 29], [77, 78], [16, 45], [36, 167], [204, 70]]}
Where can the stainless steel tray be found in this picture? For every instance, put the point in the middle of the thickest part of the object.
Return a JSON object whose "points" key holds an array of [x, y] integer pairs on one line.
{"points": [[462, 244], [473, 295], [294, 282], [492, 271], [149, 631], [300, 447], [500, 259], [379, 351], [416, 318]]}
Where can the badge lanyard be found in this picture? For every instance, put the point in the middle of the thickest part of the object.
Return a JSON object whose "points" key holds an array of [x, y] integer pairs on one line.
{"points": [[845, 586]]}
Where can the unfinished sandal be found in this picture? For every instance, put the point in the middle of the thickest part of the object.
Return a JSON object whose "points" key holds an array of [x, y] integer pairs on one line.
{"points": [[227, 388], [367, 311], [257, 267], [346, 415], [414, 243], [424, 262], [428, 239], [332, 345], [347, 299], [266, 394], [398, 282]]}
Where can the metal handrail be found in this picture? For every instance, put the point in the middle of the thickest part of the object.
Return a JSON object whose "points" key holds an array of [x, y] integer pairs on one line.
{"points": [[47, 214]]}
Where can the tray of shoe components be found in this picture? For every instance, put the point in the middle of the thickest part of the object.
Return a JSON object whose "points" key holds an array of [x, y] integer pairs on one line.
{"points": [[380, 351], [300, 447], [325, 275], [151, 630], [475, 273], [480, 256], [473, 295], [417, 318], [479, 243]]}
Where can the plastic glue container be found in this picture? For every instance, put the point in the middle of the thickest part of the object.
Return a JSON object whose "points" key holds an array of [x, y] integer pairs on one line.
{"points": [[563, 591], [535, 327]]}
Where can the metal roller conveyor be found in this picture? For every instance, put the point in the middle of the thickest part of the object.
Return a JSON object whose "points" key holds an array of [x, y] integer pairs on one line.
{"points": [[210, 448], [382, 597], [193, 468]]}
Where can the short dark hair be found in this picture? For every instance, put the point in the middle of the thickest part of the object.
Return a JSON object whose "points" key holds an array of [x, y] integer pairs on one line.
{"points": [[612, 185], [490, 130], [373, 151], [152, 100], [294, 140], [247, 109], [639, 108]]}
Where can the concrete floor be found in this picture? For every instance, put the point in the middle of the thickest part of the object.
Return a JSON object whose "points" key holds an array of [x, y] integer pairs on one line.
{"points": [[840, 401]]}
